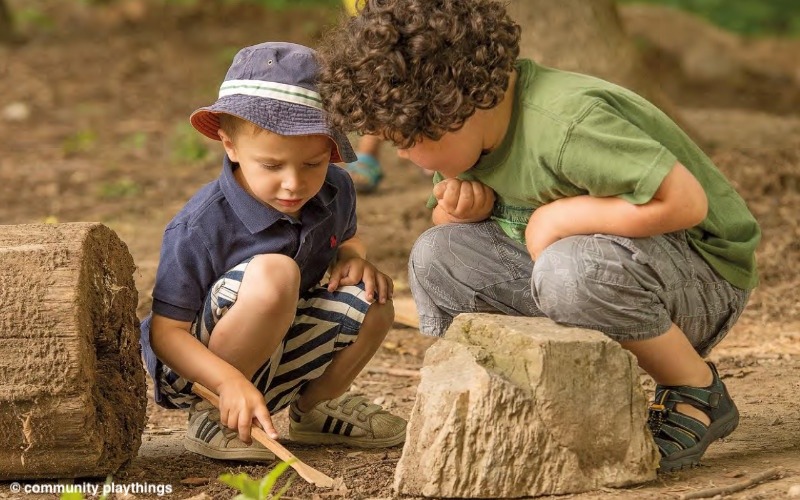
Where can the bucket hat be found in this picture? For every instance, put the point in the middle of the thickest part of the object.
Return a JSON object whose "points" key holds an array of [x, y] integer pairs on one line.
{"points": [[273, 85]]}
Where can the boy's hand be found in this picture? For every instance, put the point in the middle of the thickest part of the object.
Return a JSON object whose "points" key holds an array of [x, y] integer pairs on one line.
{"points": [[239, 403], [464, 201], [353, 270]]}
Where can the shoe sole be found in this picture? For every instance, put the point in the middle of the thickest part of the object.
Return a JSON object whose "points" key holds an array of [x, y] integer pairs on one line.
{"points": [[691, 456], [355, 442], [243, 454]]}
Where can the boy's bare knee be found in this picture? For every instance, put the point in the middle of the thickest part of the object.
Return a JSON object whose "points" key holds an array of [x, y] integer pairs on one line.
{"points": [[270, 278], [378, 320]]}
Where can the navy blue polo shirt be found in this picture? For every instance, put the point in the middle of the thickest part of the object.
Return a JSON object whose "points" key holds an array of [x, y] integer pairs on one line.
{"points": [[223, 225]]}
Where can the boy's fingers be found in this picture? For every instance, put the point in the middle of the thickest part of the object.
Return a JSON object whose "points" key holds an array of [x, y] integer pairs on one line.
{"points": [[263, 418], [244, 423], [232, 422], [333, 282], [348, 280], [452, 192], [384, 288], [439, 188], [479, 196], [223, 414], [369, 291], [465, 198], [369, 286]]}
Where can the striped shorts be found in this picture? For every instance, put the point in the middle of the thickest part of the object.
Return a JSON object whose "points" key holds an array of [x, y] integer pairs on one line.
{"points": [[325, 322]]}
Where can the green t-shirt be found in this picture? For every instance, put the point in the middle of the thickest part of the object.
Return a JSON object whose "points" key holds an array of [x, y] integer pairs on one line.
{"points": [[572, 134]]}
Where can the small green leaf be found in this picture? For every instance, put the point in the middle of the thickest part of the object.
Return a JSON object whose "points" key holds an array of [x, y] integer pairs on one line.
{"points": [[244, 483], [258, 489], [268, 483], [72, 495]]}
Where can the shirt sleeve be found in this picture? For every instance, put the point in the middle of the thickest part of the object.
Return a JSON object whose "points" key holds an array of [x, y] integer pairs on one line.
{"points": [[607, 155], [351, 226], [185, 274]]}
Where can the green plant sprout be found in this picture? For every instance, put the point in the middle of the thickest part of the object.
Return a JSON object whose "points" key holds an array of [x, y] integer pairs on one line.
{"points": [[78, 495], [187, 145], [81, 141], [258, 489]]}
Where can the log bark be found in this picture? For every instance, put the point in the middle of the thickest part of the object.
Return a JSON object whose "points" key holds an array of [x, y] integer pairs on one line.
{"points": [[72, 385]]}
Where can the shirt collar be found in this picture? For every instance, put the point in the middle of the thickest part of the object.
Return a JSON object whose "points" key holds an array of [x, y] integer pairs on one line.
{"points": [[257, 216]]}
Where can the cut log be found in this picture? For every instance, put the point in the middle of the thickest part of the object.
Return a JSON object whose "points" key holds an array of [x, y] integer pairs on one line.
{"points": [[72, 385], [514, 407]]}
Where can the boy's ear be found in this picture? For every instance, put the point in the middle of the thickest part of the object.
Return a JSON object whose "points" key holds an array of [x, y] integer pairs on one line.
{"points": [[227, 143]]}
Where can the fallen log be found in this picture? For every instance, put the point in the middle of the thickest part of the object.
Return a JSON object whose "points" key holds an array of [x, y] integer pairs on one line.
{"points": [[72, 385]]}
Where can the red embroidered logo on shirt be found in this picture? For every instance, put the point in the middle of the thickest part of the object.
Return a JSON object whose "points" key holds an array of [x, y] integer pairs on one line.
{"points": [[333, 241]]}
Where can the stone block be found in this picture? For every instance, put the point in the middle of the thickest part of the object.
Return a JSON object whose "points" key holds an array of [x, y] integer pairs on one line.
{"points": [[513, 407]]}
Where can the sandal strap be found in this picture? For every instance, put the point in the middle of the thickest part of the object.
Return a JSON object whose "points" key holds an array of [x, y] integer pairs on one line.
{"points": [[368, 168], [350, 404], [674, 431]]}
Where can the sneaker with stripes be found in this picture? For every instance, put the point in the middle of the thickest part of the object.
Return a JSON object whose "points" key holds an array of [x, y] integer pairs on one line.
{"points": [[207, 437], [349, 420]]}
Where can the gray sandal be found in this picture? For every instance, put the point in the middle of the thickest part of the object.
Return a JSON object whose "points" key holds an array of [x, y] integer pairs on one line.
{"points": [[681, 439]]}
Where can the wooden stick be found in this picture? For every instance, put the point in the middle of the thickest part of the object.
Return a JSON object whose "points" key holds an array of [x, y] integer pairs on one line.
{"points": [[397, 372], [307, 472], [733, 488]]}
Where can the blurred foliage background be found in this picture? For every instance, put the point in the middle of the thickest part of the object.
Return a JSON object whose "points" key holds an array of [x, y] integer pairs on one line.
{"points": [[751, 18], [746, 17]]}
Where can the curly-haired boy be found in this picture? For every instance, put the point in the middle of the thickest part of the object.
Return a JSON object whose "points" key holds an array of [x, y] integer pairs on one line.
{"points": [[560, 195]]}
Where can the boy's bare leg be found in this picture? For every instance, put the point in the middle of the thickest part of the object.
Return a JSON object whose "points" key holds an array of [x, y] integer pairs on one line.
{"points": [[349, 362], [264, 310], [671, 360], [369, 144]]}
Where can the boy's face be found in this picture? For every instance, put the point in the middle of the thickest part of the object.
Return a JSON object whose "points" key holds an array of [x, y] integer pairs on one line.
{"points": [[281, 171], [452, 154]]}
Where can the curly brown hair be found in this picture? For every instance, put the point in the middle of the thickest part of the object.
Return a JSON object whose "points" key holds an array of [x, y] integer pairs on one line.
{"points": [[411, 69]]}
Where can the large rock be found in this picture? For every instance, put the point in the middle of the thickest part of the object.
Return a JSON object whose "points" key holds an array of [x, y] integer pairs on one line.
{"points": [[72, 385], [513, 407]]}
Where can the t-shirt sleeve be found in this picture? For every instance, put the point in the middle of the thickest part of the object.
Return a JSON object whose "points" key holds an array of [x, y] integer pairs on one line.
{"points": [[607, 155], [431, 202], [185, 273]]}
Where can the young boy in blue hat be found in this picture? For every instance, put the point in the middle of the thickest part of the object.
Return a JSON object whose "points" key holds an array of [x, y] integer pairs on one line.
{"points": [[558, 195], [237, 303]]}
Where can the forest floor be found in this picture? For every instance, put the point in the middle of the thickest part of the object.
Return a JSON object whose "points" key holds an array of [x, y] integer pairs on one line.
{"points": [[93, 115]]}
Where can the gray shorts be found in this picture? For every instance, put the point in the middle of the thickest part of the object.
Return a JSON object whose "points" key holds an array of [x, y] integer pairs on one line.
{"points": [[627, 288]]}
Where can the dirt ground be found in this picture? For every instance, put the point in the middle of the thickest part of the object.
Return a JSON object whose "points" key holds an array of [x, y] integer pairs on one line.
{"points": [[93, 114]]}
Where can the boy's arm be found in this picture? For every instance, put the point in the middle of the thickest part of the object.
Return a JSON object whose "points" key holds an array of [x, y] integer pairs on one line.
{"points": [[679, 203], [352, 247], [239, 400], [173, 344]]}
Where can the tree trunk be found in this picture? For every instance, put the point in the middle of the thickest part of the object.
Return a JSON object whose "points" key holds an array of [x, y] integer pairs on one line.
{"points": [[7, 33], [72, 385], [586, 36]]}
